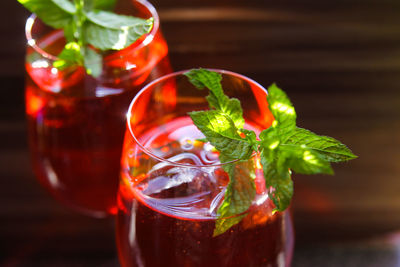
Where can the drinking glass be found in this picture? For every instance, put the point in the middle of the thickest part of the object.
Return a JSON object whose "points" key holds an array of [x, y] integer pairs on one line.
{"points": [[172, 184], [76, 122]]}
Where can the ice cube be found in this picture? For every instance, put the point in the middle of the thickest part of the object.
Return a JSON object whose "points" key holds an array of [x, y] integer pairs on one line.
{"points": [[188, 158], [203, 186], [173, 177], [215, 203]]}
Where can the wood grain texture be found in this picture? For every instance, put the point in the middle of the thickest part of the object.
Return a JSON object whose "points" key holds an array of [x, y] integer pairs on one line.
{"points": [[340, 63]]}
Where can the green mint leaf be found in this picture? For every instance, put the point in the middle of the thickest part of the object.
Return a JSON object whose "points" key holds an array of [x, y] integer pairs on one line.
{"points": [[99, 4], [277, 161], [104, 4], [202, 78], [270, 138], [221, 132], [93, 62], [106, 30], [69, 32], [278, 179], [329, 148], [70, 55], [239, 195], [65, 5], [281, 108], [302, 160], [276, 173], [49, 12], [222, 225], [114, 21]]}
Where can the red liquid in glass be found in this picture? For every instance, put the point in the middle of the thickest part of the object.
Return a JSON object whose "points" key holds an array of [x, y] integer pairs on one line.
{"points": [[167, 216], [76, 123]]}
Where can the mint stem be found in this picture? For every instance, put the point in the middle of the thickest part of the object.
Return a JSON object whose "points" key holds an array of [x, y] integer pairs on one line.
{"points": [[78, 22]]}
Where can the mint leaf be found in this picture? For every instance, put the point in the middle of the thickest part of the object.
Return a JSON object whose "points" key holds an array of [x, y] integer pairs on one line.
{"points": [[276, 173], [65, 5], [221, 132], [282, 109], [238, 195], [93, 62], [49, 12], [69, 32], [329, 148], [302, 160], [202, 78], [70, 55], [106, 30], [99, 4], [110, 20], [278, 179]]}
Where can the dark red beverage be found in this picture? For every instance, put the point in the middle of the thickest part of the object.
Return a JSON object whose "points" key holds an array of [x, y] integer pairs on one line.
{"points": [[76, 122], [168, 208]]}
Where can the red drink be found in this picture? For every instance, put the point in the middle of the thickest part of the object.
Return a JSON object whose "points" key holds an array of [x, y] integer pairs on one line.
{"points": [[76, 123], [168, 220], [172, 185]]}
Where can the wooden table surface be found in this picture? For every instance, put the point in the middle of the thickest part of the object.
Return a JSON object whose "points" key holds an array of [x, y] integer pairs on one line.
{"points": [[340, 63]]}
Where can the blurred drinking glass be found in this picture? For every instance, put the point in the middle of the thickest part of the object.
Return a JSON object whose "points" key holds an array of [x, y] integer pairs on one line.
{"points": [[76, 122]]}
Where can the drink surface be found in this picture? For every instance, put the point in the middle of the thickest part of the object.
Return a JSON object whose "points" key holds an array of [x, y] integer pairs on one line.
{"points": [[76, 123], [167, 211]]}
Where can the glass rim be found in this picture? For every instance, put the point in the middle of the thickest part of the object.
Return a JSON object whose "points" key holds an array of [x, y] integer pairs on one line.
{"points": [[31, 41], [168, 76]]}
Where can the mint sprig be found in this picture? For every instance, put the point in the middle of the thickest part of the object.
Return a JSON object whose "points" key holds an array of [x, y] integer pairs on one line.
{"points": [[282, 148], [89, 29]]}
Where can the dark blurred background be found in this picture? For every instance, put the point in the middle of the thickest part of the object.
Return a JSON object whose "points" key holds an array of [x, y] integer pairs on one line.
{"points": [[340, 63]]}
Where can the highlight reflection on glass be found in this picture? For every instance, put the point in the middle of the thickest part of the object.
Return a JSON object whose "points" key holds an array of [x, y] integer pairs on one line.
{"points": [[76, 122], [172, 184]]}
